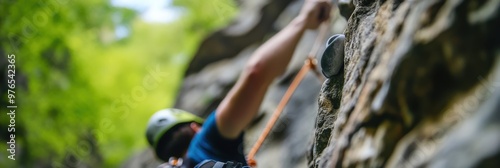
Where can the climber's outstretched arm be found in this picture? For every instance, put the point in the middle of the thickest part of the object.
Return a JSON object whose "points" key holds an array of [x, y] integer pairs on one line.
{"points": [[269, 61]]}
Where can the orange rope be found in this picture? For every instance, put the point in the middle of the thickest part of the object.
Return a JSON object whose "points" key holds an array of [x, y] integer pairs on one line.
{"points": [[309, 64], [277, 112]]}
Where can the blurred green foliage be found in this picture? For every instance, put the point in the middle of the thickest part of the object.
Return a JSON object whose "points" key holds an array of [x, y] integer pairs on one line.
{"points": [[83, 95]]}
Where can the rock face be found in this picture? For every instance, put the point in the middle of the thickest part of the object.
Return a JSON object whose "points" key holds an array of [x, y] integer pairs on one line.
{"points": [[420, 87]]}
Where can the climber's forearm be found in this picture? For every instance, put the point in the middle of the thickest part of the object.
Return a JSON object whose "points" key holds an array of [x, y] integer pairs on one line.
{"points": [[272, 58]]}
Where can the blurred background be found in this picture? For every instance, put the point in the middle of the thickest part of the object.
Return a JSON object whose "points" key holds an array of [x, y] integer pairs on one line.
{"points": [[90, 73]]}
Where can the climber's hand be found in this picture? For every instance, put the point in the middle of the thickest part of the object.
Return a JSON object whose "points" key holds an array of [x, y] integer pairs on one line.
{"points": [[314, 12]]}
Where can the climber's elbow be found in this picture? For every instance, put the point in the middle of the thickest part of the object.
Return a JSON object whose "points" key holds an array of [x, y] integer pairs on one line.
{"points": [[256, 72]]}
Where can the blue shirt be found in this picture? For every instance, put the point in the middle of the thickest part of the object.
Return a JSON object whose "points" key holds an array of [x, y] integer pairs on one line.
{"points": [[210, 144]]}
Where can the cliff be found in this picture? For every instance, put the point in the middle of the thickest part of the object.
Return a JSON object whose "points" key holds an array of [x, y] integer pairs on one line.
{"points": [[419, 87]]}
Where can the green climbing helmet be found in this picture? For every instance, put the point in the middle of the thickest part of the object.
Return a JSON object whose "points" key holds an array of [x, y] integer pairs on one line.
{"points": [[162, 121]]}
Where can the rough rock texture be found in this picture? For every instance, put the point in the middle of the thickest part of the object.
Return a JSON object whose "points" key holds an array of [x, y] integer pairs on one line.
{"points": [[419, 87]]}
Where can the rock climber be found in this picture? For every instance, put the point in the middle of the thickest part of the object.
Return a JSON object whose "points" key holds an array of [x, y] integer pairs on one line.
{"points": [[179, 136]]}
